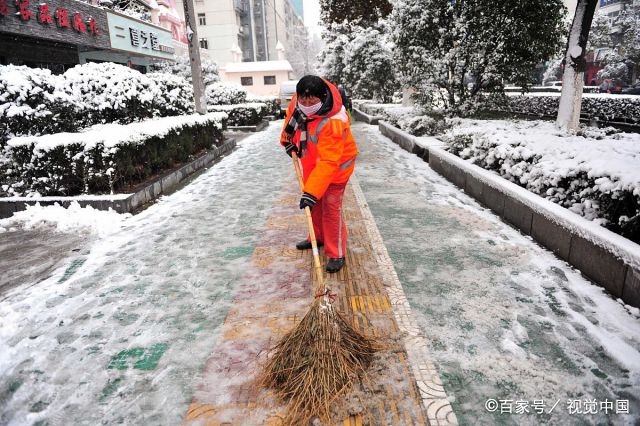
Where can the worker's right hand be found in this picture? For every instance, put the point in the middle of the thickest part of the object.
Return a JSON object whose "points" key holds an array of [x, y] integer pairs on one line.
{"points": [[290, 147]]}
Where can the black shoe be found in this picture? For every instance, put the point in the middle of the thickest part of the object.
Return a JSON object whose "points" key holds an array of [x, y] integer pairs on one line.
{"points": [[334, 265], [306, 245]]}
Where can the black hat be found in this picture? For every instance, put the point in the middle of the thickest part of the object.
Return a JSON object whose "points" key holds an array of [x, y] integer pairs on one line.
{"points": [[312, 85]]}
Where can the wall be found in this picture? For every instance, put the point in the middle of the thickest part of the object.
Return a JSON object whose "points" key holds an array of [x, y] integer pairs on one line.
{"points": [[258, 87]]}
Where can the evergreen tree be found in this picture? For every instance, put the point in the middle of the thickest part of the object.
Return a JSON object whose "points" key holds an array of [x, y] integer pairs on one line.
{"points": [[369, 72], [451, 50], [360, 12], [332, 57]]}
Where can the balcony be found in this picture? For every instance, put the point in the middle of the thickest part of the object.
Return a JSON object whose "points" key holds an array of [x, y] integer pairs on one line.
{"points": [[240, 7]]}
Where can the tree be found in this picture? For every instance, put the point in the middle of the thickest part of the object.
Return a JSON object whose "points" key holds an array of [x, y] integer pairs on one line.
{"points": [[369, 72], [575, 65], [621, 35], [360, 12], [336, 37], [449, 51]]}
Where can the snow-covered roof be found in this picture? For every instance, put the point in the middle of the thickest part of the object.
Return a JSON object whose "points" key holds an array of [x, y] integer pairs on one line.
{"points": [[257, 66]]}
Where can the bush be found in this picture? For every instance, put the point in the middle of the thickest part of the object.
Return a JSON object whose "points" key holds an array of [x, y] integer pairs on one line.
{"points": [[222, 93], [575, 186], [272, 102], [623, 109], [176, 95], [242, 114], [31, 104], [105, 159], [108, 93]]}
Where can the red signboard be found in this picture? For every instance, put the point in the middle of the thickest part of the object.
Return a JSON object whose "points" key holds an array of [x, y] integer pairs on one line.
{"points": [[44, 16]]}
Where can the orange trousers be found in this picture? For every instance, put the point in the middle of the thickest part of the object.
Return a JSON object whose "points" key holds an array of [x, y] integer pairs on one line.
{"points": [[327, 221]]}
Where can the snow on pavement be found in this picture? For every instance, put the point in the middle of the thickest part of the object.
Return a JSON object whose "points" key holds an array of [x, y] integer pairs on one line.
{"points": [[505, 319], [122, 335]]}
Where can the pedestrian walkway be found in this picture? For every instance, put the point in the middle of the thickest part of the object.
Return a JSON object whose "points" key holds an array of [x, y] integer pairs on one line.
{"points": [[272, 299], [163, 322]]}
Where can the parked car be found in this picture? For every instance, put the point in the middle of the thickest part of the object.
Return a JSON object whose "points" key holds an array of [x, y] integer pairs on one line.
{"points": [[556, 83], [612, 86], [632, 90], [287, 90]]}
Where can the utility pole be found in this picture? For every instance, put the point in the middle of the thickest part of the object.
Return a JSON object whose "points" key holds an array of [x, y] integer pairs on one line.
{"points": [[194, 57]]}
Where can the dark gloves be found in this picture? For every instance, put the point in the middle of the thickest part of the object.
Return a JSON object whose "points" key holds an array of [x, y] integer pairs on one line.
{"points": [[290, 147], [307, 200]]}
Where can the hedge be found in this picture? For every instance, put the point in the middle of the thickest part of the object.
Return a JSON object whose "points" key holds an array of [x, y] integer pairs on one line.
{"points": [[106, 158], [242, 114]]}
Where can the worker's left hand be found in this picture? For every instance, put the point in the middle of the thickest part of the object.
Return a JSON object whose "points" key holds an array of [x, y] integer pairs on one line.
{"points": [[307, 200]]}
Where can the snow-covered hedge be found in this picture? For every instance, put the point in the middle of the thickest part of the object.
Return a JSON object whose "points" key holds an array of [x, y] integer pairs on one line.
{"points": [[618, 108], [272, 102], [176, 95], [31, 103], [595, 175], [249, 114], [108, 92], [105, 158], [223, 93], [413, 120], [36, 102]]}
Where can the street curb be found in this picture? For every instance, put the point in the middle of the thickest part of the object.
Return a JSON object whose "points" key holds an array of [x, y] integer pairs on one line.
{"points": [[606, 258], [133, 201], [360, 115], [434, 397], [257, 128]]}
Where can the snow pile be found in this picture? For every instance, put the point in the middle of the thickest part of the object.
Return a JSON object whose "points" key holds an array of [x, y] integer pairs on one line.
{"points": [[106, 157], [74, 219], [596, 175]]}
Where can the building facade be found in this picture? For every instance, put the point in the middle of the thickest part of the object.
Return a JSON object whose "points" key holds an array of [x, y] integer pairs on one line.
{"points": [[247, 30], [59, 34]]}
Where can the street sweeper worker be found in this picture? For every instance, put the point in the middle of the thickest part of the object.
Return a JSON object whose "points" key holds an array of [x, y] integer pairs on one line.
{"points": [[317, 129]]}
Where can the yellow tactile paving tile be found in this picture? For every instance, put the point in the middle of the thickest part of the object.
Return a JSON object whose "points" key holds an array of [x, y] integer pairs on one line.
{"points": [[251, 324]]}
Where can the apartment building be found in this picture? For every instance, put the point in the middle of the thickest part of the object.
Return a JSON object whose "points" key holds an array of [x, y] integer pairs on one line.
{"points": [[247, 30]]}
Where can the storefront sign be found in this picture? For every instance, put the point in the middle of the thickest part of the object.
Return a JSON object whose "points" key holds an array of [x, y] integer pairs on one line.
{"points": [[135, 36], [67, 21]]}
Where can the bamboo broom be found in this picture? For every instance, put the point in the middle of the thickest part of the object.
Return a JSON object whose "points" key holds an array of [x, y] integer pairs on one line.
{"points": [[320, 358]]}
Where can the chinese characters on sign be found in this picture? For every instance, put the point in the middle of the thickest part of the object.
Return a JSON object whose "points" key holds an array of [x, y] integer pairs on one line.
{"points": [[141, 38], [574, 406], [44, 16]]}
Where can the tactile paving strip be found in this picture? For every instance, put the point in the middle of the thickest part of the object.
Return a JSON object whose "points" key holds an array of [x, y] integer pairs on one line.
{"points": [[367, 295]]}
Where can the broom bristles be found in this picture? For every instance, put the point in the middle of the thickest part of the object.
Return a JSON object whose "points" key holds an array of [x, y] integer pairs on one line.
{"points": [[316, 362]]}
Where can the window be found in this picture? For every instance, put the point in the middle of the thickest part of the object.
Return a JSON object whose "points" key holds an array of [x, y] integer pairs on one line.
{"points": [[202, 19], [204, 44], [246, 81], [269, 79]]}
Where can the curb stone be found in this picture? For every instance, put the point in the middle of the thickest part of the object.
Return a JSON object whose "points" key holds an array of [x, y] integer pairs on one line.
{"points": [[124, 203], [607, 259]]}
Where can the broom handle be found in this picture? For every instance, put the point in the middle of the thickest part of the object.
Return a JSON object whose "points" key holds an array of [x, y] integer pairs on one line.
{"points": [[312, 234]]}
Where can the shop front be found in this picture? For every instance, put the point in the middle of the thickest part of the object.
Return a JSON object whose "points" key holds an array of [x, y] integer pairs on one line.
{"points": [[59, 34]]}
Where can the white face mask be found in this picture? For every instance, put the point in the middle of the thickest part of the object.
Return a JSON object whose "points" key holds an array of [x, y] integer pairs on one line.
{"points": [[309, 110]]}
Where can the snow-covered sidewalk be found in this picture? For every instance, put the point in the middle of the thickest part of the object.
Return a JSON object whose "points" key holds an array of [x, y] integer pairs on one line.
{"points": [[505, 319]]}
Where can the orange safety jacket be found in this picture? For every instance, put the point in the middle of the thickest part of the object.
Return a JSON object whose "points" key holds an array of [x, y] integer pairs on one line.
{"points": [[331, 149]]}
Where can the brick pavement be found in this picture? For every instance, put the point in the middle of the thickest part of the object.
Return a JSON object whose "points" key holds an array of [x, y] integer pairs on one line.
{"points": [[276, 292]]}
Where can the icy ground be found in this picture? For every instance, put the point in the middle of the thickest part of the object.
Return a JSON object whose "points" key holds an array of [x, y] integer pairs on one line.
{"points": [[505, 318], [121, 335]]}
